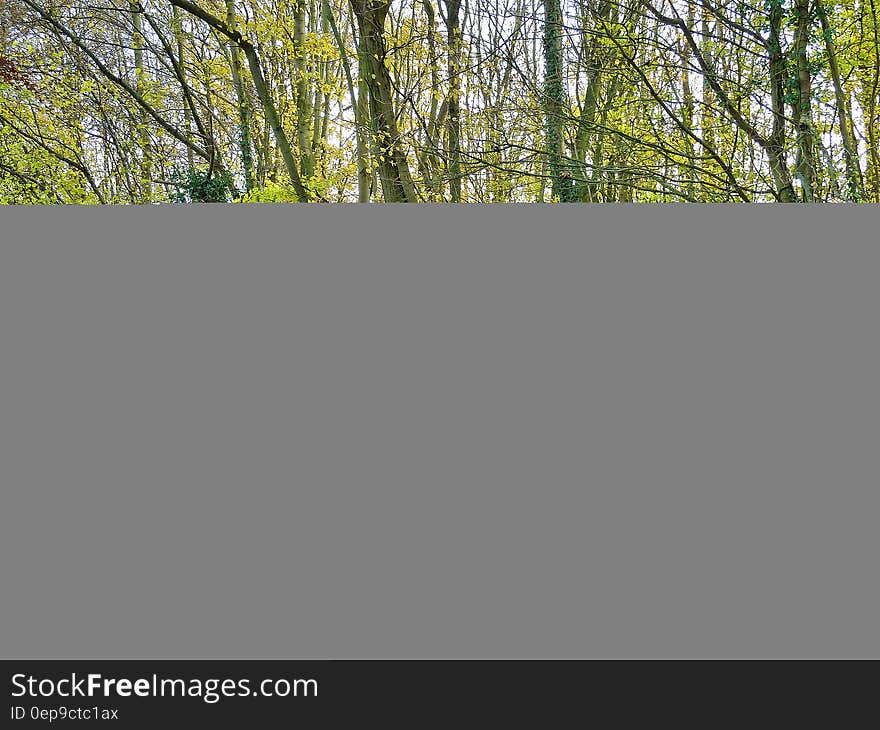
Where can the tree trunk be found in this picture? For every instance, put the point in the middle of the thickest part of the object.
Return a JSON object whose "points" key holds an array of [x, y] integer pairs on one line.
{"points": [[555, 103], [806, 167], [776, 142], [303, 97], [687, 111], [393, 169], [244, 108], [357, 106], [143, 133], [850, 150], [453, 112], [181, 63]]}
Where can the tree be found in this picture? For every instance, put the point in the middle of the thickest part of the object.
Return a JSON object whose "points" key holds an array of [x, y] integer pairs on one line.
{"points": [[132, 101]]}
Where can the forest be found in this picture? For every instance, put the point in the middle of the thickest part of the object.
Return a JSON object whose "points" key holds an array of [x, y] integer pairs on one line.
{"points": [[455, 101]]}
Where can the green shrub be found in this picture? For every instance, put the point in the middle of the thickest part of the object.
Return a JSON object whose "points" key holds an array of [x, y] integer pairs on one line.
{"points": [[270, 193], [198, 186]]}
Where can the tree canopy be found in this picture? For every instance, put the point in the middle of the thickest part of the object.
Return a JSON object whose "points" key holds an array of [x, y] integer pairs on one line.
{"points": [[475, 101]]}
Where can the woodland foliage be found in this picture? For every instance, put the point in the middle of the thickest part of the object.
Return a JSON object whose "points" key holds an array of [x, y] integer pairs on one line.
{"points": [[477, 101]]}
